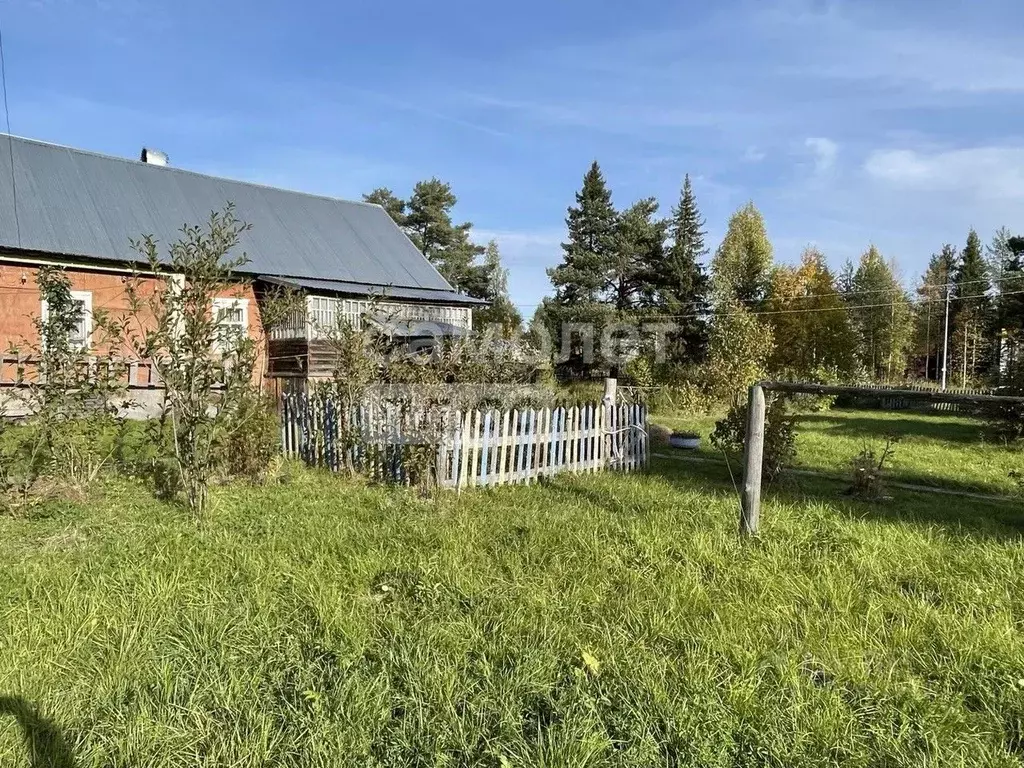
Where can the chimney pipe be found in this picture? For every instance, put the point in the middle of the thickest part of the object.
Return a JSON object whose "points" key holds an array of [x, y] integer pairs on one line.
{"points": [[153, 156]]}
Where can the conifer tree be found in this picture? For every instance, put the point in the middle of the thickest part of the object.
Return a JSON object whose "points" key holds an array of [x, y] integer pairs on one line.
{"points": [[639, 249], [386, 199], [680, 280], [428, 222], [972, 318], [588, 252], [929, 316]]}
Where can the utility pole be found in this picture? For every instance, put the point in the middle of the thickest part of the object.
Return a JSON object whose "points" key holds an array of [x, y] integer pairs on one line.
{"points": [[945, 341]]}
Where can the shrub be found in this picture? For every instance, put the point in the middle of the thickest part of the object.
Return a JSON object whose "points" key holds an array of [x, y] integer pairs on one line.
{"points": [[638, 372], [71, 398], [779, 436], [868, 469], [252, 439], [683, 398]]}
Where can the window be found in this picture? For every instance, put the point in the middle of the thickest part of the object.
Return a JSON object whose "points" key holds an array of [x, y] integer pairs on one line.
{"points": [[81, 334], [232, 320]]}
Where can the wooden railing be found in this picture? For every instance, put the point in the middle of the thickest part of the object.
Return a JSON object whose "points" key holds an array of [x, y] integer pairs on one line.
{"points": [[140, 374], [323, 314]]}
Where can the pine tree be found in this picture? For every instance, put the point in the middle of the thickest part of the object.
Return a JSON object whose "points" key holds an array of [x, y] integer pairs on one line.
{"points": [[428, 222], [501, 310], [881, 316], [588, 253], [386, 199], [742, 266], [639, 247], [680, 281]]}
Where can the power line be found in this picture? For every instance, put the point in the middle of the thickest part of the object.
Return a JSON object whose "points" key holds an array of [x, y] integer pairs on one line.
{"points": [[10, 139], [807, 310], [898, 289]]}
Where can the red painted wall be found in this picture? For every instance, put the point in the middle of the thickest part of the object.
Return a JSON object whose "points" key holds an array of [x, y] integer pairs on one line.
{"points": [[20, 302]]}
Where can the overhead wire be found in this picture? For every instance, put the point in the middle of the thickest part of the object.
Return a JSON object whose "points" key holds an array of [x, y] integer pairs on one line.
{"points": [[10, 139]]}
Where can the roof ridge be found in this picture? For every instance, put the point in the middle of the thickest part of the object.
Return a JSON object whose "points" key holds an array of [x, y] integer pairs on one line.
{"points": [[178, 169]]}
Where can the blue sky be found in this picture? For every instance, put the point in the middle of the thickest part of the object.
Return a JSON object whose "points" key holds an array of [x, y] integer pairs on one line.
{"points": [[847, 123]]}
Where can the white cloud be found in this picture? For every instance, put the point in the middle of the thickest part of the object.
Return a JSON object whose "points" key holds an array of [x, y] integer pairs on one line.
{"points": [[824, 152], [845, 41], [985, 172]]}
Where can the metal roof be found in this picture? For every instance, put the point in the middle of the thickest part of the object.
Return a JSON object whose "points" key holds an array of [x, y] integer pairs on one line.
{"points": [[76, 203], [364, 289]]}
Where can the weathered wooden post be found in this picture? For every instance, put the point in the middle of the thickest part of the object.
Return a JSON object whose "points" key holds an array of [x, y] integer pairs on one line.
{"points": [[753, 453], [607, 438]]}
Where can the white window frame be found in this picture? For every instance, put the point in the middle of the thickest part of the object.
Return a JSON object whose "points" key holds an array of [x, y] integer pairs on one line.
{"points": [[85, 297], [231, 303]]}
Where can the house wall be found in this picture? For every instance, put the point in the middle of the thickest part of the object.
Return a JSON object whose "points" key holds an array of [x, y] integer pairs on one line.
{"points": [[21, 303]]}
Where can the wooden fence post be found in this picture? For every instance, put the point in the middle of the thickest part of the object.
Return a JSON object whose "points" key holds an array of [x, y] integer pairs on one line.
{"points": [[753, 455]]}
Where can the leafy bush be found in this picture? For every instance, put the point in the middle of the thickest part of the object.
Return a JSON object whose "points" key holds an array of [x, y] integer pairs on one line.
{"points": [[683, 398], [71, 398], [638, 372], [252, 440], [779, 436]]}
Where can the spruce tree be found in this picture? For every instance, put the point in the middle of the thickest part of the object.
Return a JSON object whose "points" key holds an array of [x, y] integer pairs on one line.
{"points": [[929, 317], [1012, 297], [970, 350], [680, 280], [971, 277], [587, 254]]}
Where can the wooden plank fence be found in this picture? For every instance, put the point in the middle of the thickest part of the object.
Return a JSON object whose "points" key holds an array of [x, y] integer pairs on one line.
{"points": [[457, 449], [887, 397]]}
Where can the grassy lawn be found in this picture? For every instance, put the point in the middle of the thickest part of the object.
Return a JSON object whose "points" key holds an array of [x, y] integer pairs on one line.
{"points": [[593, 621], [945, 451]]}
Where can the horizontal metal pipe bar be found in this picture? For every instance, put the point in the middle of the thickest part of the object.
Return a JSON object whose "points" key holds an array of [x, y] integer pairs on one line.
{"points": [[936, 396]]}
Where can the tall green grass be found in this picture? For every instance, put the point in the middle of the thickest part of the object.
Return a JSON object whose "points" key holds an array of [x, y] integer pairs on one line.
{"points": [[604, 620], [940, 450]]}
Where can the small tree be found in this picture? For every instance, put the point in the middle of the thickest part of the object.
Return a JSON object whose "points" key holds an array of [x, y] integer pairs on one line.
{"points": [[206, 365], [739, 348]]}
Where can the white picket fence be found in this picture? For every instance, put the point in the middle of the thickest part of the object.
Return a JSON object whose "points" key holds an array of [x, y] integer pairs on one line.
{"points": [[464, 449]]}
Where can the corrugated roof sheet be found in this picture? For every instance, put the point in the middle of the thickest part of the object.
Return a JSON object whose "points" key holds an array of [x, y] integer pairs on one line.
{"points": [[72, 202], [363, 289]]}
